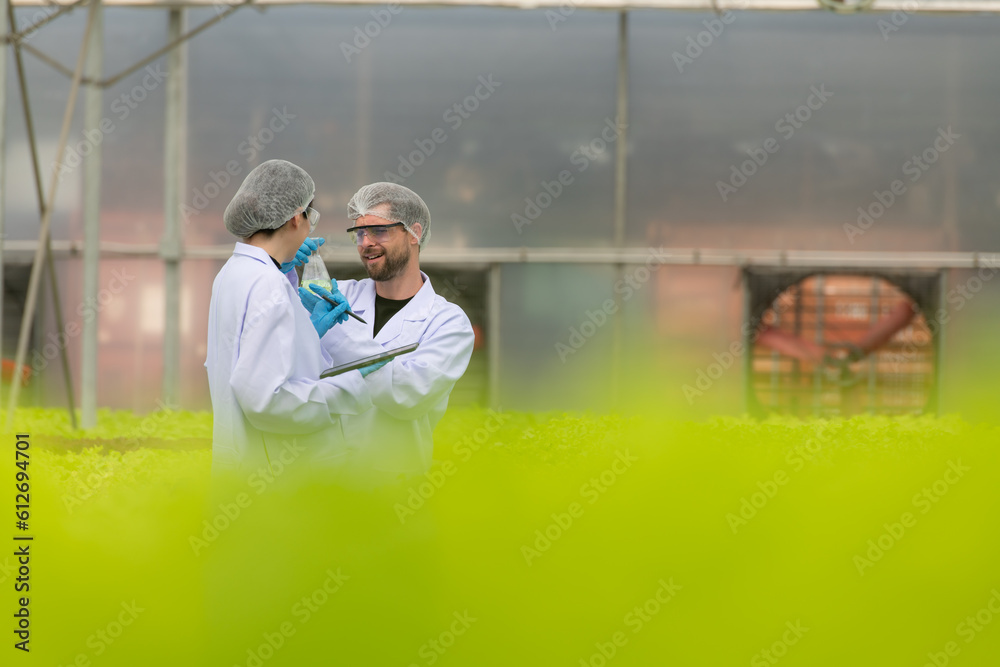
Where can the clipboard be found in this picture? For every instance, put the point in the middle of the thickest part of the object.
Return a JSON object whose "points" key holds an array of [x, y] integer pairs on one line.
{"points": [[367, 361]]}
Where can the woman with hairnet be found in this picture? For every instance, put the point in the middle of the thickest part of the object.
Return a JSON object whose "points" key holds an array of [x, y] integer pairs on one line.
{"points": [[264, 356]]}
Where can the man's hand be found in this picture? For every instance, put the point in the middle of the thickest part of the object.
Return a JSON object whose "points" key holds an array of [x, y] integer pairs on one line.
{"points": [[366, 370]]}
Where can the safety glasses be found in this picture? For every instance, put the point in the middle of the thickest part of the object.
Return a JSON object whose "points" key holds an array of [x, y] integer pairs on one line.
{"points": [[313, 216], [377, 233]]}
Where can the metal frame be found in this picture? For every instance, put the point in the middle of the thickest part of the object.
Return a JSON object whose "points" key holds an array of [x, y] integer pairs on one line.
{"points": [[484, 257], [43, 254], [94, 102], [939, 344], [620, 202], [3, 154], [935, 6], [175, 175], [174, 167]]}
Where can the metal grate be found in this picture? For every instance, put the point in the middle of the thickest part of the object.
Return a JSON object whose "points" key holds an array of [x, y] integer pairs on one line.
{"points": [[835, 311]]}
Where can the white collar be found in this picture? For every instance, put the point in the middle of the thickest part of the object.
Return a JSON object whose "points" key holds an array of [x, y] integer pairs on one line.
{"points": [[253, 251], [417, 309]]}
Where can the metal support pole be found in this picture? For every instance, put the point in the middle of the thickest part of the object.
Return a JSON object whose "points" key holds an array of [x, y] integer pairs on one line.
{"points": [[3, 164], [174, 168], [775, 363], [797, 364], [50, 265], [950, 205], [93, 103], [873, 316], [621, 192], [937, 391], [818, 381], [493, 334], [748, 338], [43, 250], [363, 130], [39, 191]]}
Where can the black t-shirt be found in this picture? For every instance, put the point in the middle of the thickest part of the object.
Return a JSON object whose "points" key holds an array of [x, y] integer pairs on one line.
{"points": [[385, 309]]}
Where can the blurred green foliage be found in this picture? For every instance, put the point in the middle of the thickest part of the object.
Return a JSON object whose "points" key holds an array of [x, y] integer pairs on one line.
{"points": [[537, 539]]}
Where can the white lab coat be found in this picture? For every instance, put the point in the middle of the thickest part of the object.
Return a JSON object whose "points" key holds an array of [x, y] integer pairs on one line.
{"points": [[264, 361], [410, 394]]}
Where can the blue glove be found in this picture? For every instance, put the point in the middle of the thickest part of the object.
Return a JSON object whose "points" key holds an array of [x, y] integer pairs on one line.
{"points": [[308, 247], [324, 314], [309, 298], [374, 367]]}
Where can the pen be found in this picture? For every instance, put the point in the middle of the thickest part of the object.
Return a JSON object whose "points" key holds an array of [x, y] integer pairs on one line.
{"points": [[335, 304]]}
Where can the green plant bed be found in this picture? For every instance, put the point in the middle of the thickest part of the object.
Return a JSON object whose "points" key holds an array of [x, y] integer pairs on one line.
{"points": [[536, 539]]}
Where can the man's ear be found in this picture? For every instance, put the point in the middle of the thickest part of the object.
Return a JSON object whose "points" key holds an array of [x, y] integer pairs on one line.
{"points": [[418, 229]]}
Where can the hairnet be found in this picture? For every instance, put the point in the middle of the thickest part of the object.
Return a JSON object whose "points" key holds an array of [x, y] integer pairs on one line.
{"points": [[270, 195], [405, 206]]}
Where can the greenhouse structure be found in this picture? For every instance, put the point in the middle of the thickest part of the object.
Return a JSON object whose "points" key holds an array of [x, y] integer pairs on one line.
{"points": [[626, 196]]}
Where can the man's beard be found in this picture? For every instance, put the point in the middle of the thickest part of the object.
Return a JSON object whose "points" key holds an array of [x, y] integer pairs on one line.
{"points": [[393, 263]]}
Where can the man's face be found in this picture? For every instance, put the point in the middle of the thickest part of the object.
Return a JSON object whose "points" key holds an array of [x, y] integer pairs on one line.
{"points": [[386, 257]]}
